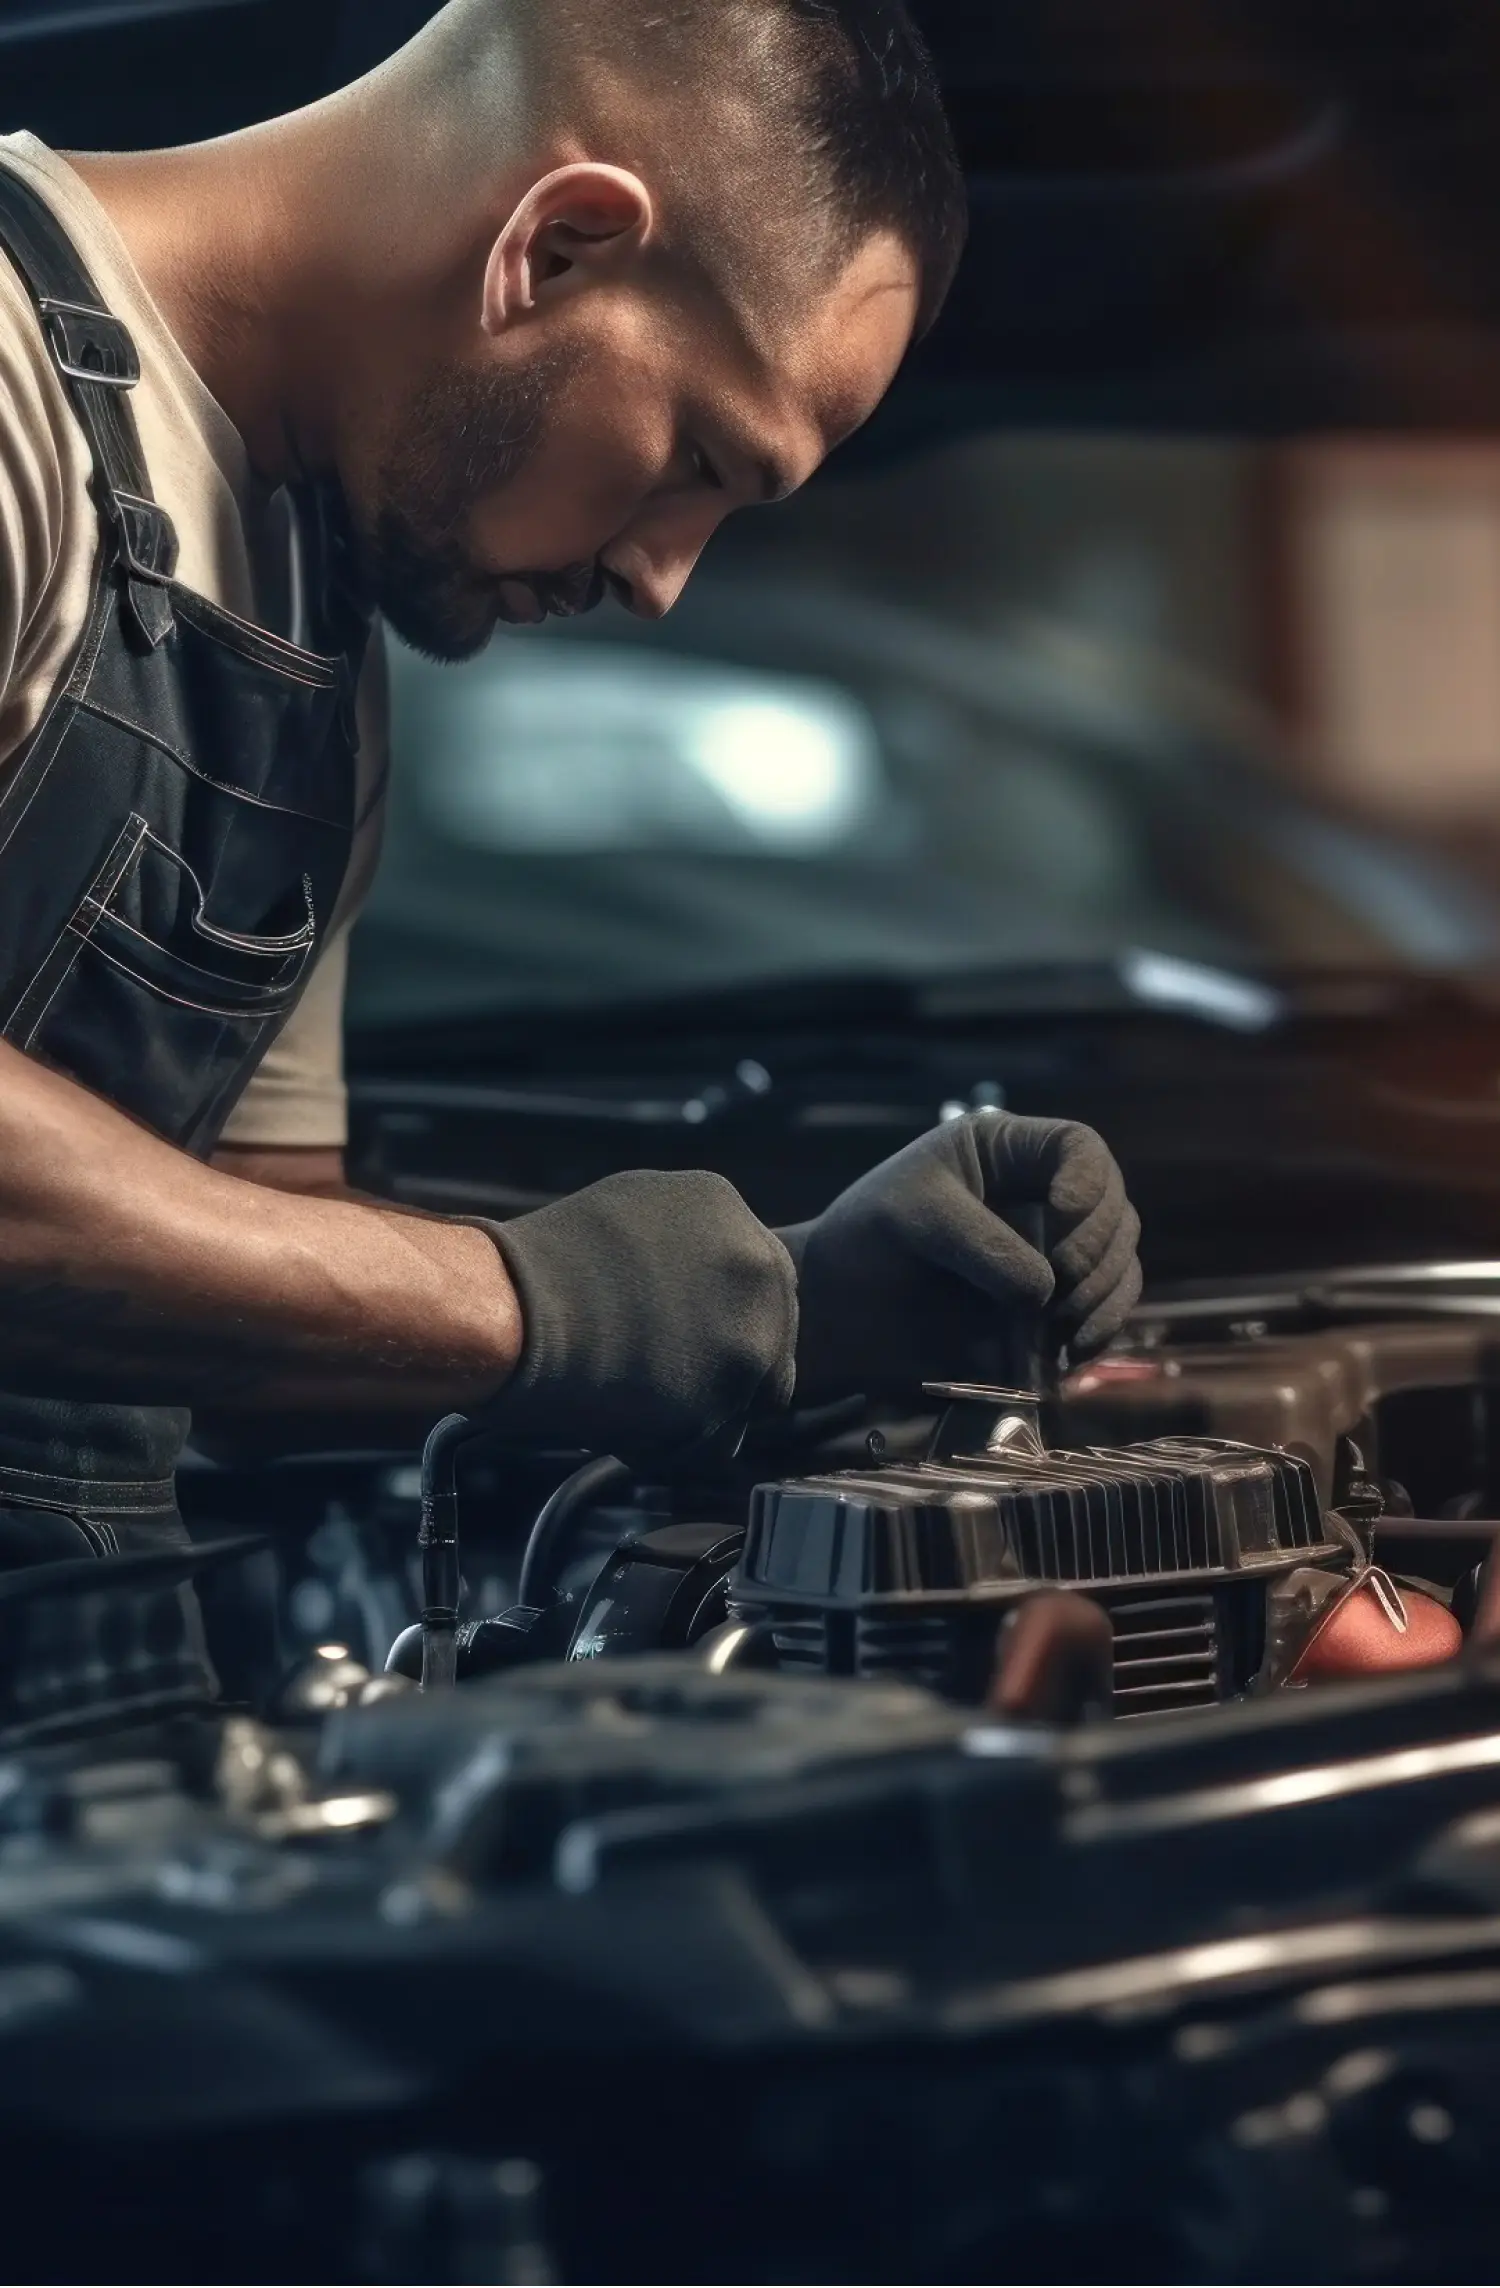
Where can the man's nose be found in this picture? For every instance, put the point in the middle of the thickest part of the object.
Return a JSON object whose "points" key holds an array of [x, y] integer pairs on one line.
{"points": [[648, 581]]}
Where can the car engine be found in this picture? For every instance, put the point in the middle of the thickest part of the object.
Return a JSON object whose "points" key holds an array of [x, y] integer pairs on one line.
{"points": [[1039, 1831], [1188, 1483], [911, 1844], [906, 1572]]}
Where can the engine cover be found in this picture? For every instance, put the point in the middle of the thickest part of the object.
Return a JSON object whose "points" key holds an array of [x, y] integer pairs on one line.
{"points": [[908, 1570]]}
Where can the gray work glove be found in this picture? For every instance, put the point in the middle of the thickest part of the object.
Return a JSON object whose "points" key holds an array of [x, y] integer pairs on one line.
{"points": [[915, 1274], [655, 1310]]}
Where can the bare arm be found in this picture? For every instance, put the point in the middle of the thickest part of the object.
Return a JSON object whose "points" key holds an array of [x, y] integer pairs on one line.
{"points": [[315, 1171], [129, 1271]]}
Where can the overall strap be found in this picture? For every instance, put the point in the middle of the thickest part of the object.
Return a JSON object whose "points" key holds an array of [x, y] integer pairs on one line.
{"points": [[96, 359]]}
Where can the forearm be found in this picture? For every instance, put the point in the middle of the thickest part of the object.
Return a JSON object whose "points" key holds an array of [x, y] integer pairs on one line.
{"points": [[233, 1425], [315, 1171], [128, 1270], [657, 1309]]}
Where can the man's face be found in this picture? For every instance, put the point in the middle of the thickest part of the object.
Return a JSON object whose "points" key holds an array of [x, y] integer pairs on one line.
{"points": [[596, 453]]}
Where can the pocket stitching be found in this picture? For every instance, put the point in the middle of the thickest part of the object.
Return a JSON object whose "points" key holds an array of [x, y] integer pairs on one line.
{"points": [[296, 941], [125, 848], [276, 997], [303, 940], [87, 706], [265, 1002], [236, 984]]}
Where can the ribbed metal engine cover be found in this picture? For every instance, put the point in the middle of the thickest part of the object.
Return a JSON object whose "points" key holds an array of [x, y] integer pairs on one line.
{"points": [[907, 1570]]}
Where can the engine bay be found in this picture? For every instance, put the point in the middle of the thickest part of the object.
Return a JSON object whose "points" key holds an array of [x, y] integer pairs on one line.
{"points": [[726, 1885], [1097, 1771], [1185, 1482]]}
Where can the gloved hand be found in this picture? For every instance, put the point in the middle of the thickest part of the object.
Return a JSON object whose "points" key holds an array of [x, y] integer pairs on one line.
{"points": [[655, 1309], [915, 1275]]}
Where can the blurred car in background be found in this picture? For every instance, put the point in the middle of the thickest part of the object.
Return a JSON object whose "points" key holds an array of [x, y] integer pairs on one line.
{"points": [[853, 748]]}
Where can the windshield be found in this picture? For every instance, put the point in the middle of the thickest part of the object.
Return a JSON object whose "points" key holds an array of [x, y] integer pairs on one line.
{"points": [[999, 702]]}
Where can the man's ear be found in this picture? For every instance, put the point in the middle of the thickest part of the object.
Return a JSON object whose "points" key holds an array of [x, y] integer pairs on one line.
{"points": [[575, 224]]}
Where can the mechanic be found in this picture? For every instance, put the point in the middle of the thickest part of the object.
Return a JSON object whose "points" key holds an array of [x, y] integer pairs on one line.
{"points": [[508, 326]]}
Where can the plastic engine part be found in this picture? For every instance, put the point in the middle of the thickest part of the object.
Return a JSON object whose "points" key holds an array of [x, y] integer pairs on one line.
{"points": [[910, 1570]]}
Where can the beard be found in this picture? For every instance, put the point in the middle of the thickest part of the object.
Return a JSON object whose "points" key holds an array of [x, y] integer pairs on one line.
{"points": [[464, 437]]}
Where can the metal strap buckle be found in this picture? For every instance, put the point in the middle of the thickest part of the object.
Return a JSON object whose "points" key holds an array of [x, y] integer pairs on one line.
{"points": [[90, 345], [148, 541]]}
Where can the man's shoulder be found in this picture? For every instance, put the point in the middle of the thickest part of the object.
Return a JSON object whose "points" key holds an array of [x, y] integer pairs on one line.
{"points": [[33, 401], [48, 526], [196, 462]]}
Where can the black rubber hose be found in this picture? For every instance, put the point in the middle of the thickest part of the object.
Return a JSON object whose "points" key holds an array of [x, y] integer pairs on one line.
{"points": [[547, 1542], [438, 1542]]}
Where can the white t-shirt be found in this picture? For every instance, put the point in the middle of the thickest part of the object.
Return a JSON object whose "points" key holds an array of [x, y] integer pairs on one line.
{"points": [[232, 545]]}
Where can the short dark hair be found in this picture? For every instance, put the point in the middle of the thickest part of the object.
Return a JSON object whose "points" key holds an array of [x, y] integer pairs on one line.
{"points": [[866, 115], [847, 112]]}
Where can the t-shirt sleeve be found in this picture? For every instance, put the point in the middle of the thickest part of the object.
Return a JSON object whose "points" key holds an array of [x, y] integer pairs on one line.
{"points": [[298, 1095], [43, 592]]}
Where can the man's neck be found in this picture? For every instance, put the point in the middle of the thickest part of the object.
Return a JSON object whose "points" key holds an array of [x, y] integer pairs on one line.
{"points": [[215, 241]]}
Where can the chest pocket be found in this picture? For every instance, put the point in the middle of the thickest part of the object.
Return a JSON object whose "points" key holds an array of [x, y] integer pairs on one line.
{"points": [[184, 1005]]}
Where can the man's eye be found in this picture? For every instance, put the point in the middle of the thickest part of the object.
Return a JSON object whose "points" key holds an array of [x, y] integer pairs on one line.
{"points": [[704, 471]]}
